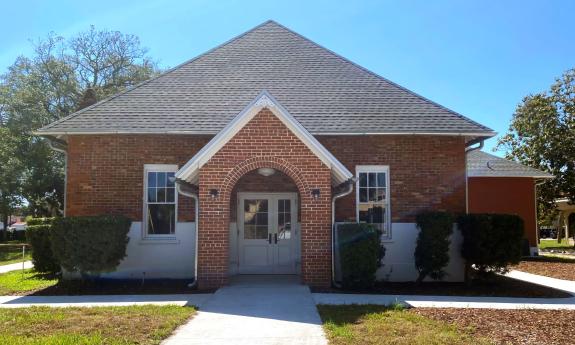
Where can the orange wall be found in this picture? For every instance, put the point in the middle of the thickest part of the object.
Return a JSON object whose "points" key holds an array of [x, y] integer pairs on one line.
{"points": [[511, 195]]}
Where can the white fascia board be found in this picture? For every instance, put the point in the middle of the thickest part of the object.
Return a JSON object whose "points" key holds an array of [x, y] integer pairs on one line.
{"points": [[263, 100]]}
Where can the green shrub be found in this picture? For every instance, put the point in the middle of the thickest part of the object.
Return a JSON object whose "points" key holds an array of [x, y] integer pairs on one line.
{"points": [[491, 242], [90, 245], [38, 235], [432, 249], [361, 253]]}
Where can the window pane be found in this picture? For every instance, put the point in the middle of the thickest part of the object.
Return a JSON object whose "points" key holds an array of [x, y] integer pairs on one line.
{"points": [[250, 218], [362, 179], [161, 179], [151, 179], [161, 219], [363, 195], [261, 218], [261, 232], [249, 231], [287, 205], [372, 180], [170, 176], [372, 194], [370, 213], [255, 205], [380, 194], [151, 194], [161, 195], [284, 226], [381, 180], [170, 195]]}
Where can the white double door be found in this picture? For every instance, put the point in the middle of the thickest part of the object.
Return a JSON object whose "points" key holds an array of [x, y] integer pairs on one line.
{"points": [[267, 236]]}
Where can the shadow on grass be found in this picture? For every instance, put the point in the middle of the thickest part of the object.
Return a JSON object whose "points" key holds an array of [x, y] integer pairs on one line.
{"points": [[118, 287]]}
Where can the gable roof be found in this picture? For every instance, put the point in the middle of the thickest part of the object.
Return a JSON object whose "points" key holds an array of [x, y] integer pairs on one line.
{"points": [[325, 92], [190, 171], [483, 164]]}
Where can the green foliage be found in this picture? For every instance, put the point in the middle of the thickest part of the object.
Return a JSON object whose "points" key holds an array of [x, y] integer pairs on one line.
{"points": [[50, 84], [491, 242], [361, 253], [38, 235], [432, 250], [90, 245], [10, 167], [542, 135]]}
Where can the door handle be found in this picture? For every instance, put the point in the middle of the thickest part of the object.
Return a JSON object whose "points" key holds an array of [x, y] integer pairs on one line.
{"points": [[270, 238], [276, 238]]}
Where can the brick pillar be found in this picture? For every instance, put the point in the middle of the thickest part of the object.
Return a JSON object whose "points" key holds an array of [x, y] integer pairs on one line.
{"points": [[316, 238], [213, 238]]}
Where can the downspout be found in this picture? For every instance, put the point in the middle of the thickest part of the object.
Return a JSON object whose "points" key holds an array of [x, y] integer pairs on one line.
{"points": [[468, 149], [196, 219], [339, 195], [61, 146]]}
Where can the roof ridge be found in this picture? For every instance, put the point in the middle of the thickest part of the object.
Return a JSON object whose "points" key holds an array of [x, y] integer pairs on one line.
{"points": [[383, 78], [170, 70]]}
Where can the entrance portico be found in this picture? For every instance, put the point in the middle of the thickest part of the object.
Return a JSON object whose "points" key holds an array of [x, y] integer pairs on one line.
{"points": [[265, 135]]}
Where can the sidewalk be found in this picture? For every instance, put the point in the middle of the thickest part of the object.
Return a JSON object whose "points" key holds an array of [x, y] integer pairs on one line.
{"points": [[102, 300], [16, 266], [419, 301]]}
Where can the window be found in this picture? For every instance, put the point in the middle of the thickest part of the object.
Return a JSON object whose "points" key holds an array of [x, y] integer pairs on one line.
{"points": [[372, 198], [161, 200]]}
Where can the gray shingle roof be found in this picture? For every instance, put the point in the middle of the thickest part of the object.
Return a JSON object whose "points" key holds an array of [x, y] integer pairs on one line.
{"points": [[323, 91], [483, 164]]}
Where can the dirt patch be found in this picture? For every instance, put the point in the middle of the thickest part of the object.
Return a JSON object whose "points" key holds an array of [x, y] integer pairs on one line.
{"points": [[561, 268], [552, 327], [496, 286]]}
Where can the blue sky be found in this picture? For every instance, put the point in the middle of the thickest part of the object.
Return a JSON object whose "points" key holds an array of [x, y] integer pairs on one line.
{"points": [[479, 58]]}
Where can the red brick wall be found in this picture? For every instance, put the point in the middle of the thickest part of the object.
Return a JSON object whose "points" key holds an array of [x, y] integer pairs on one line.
{"points": [[264, 142], [105, 175], [106, 172], [512, 195], [426, 172]]}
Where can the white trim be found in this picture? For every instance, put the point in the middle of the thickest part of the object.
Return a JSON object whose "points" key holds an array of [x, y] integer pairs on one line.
{"points": [[471, 174], [128, 131], [157, 237], [377, 169], [189, 172]]}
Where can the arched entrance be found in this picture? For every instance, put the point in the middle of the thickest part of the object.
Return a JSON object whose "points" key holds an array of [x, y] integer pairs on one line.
{"points": [[264, 224]]}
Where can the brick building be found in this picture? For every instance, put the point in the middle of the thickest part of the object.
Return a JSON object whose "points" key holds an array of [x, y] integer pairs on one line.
{"points": [[238, 157]]}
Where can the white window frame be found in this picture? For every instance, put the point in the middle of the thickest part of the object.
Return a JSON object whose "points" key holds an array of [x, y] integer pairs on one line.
{"points": [[157, 168], [375, 169]]}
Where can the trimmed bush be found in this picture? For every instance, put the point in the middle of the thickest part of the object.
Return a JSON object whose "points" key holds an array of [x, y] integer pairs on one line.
{"points": [[90, 245], [38, 233], [361, 253], [432, 249], [491, 242]]}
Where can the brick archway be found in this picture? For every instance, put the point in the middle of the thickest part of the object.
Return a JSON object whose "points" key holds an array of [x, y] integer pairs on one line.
{"points": [[254, 163], [264, 142]]}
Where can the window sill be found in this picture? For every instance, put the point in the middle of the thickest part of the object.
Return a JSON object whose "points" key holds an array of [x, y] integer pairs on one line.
{"points": [[156, 240]]}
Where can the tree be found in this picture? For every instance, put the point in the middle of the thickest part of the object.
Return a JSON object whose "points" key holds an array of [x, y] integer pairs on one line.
{"points": [[62, 76], [10, 175], [542, 135]]}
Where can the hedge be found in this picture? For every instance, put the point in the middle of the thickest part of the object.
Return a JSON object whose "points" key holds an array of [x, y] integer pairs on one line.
{"points": [[90, 245], [491, 242], [361, 253], [38, 233], [432, 249]]}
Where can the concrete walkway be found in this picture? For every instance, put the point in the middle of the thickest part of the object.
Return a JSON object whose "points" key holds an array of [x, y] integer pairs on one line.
{"points": [[16, 266], [418, 301], [102, 300], [253, 312], [559, 284]]}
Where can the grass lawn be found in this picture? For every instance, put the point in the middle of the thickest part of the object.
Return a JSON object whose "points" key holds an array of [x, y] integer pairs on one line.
{"points": [[550, 266], [143, 325], [553, 244], [19, 283], [369, 324], [13, 254]]}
